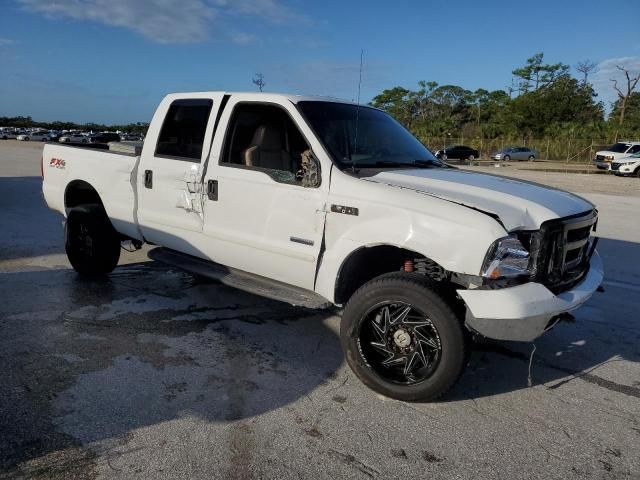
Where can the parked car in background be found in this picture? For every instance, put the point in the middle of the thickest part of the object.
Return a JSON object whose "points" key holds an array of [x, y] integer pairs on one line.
{"points": [[515, 153], [627, 166], [37, 136], [131, 137], [104, 137], [8, 135], [74, 137], [54, 135], [458, 152], [616, 151]]}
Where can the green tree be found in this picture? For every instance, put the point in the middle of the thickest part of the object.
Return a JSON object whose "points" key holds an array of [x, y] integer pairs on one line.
{"points": [[536, 73], [396, 101]]}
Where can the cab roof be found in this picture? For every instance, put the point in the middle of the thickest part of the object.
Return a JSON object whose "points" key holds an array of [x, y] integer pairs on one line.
{"points": [[265, 96]]}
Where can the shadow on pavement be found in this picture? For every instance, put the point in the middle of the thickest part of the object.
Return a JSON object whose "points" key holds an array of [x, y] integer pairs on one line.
{"points": [[28, 227]]}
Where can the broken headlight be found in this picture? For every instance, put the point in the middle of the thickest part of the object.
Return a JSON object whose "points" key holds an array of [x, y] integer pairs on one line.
{"points": [[506, 258]]}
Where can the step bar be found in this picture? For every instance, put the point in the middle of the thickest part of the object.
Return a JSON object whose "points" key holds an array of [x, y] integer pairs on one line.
{"points": [[247, 282]]}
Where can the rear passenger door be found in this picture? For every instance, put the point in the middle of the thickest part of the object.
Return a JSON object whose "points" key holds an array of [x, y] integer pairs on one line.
{"points": [[170, 205]]}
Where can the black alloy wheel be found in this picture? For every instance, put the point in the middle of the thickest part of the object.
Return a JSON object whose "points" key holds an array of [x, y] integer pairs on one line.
{"points": [[400, 343]]}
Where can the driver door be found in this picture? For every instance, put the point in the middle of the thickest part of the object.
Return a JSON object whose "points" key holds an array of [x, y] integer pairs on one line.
{"points": [[258, 216]]}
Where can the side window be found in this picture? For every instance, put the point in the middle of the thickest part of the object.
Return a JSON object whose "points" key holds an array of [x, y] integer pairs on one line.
{"points": [[263, 137], [183, 130], [634, 149]]}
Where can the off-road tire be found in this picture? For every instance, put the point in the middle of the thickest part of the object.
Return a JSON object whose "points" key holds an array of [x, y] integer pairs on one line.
{"points": [[425, 295], [91, 243]]}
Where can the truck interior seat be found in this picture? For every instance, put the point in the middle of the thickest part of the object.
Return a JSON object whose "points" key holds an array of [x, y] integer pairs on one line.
{"points": [[266, 150]]}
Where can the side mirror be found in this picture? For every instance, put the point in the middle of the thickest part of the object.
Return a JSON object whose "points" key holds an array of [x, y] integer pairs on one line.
{"points": [[310, 171]]}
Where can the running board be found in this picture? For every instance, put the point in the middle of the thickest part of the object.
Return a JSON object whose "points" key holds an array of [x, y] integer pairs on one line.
{"points": [[248, 282]]}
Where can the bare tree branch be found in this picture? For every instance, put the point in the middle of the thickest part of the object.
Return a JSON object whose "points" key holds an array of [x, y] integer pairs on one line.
{"points": [[586, 68], [632, 82]]}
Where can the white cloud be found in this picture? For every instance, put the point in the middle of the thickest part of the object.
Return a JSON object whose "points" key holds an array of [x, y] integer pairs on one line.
{"points": [[241, 38], [608, 70], [270, 9], [5, 41], [165, 21]]}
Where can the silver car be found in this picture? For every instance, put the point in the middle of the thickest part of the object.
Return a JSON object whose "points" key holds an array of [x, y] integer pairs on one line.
{"points": [[515, 153]]}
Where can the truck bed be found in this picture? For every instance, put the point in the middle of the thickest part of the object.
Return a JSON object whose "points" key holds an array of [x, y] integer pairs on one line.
{"points": [[111, 174]]}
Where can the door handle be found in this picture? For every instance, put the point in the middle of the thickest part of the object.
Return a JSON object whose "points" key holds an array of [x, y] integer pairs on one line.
{"points": [[148, 179], [212, 190]]}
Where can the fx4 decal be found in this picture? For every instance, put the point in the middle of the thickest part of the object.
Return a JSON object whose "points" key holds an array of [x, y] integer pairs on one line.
{"points": [[57, 163]]}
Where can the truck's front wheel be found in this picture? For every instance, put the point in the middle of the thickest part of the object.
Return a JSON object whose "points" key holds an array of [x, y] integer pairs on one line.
{"points": [[402, 339], [91, 243]]}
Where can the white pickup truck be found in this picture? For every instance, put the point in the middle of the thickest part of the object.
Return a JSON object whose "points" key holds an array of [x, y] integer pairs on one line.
{"points": [[319, 202]]}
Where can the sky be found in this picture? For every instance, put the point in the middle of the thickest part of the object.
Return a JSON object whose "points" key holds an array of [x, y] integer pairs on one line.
{"points": [[111, 61]]}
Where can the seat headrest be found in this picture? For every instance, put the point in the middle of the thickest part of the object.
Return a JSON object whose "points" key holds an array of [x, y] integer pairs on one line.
{"points": [[267, 137]]}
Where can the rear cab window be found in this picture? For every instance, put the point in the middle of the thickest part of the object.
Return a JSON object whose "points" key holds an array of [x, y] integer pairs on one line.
{"points": [[183, 130]]}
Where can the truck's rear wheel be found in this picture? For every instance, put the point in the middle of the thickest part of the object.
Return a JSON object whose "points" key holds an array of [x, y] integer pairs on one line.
{"points": [[91, 243], [402, 339]]}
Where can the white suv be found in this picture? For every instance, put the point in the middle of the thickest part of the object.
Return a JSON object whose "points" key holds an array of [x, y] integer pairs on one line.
{"points": [[627, 166], [619, 150]]}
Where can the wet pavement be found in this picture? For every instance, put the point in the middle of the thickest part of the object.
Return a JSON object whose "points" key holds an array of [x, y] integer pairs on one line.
{"points": [[153, 373]]}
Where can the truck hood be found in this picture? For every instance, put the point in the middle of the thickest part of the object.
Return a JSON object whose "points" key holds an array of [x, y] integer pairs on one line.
{"points": [[518, 204]]}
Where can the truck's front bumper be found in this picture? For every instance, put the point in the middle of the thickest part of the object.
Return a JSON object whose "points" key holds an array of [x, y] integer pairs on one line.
{"points": [[522, 313]]}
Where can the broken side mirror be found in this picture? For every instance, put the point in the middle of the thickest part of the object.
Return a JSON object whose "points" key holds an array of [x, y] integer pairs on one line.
{"points": [[309, 173]]}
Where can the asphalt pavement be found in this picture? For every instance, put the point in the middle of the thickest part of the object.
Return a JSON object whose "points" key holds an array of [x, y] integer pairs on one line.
{"points": [[153, 373]]}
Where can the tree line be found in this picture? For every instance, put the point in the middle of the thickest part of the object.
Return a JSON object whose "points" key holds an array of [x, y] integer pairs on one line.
{"points": [[28, 122], [543, 101]]}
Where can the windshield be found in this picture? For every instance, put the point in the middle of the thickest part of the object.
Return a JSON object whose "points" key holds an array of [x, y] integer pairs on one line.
{"points": [[364, 137], [618, 148]]}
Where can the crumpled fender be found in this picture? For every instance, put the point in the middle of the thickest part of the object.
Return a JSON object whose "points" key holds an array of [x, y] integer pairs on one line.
{"points": [[455, 237]]}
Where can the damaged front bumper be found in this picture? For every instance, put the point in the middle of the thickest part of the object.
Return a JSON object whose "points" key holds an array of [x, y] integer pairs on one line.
{"points": [[522, 313]]}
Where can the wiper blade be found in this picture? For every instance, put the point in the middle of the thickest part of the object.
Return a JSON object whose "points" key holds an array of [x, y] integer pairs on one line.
{"points": [[389, 163], [435, 163]]}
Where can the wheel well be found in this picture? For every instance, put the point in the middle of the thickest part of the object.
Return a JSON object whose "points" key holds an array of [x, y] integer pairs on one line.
{"points": [[367, 263], [79, 192]]}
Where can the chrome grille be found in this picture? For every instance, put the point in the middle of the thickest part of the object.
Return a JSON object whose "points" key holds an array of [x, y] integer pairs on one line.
{"points": [[560, 250]]}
